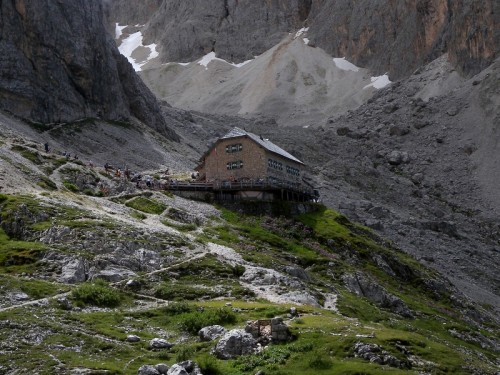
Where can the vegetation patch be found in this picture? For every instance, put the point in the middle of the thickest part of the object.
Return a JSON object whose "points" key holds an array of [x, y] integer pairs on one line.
{"points": [[147, 205], [29, 154], [47, 184], [192, 322], [98, 293]]}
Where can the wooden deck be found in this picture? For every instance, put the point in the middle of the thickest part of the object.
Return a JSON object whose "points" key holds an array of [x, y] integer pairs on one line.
{"points": [[231, 190]]}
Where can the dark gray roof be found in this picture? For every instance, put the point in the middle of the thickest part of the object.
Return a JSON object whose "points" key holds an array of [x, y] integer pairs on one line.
{"points": [[266, 143]]}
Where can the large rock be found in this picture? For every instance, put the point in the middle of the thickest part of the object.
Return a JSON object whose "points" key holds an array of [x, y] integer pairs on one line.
{"points": [[59, 64], [177, 369], [158, 343], [211, 332], [74, 271], [147, 370], [235, 343]]}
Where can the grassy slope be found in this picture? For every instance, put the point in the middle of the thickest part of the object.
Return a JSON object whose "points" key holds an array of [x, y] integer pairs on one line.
{"points": [[323, 242]]}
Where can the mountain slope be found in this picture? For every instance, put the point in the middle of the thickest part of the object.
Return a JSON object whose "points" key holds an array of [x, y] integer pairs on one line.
{"points": [[296, 84]]}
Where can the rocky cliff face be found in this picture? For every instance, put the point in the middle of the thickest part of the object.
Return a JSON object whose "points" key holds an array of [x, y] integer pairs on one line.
{"points": [[385, 36], [59, 64], [399, 37], [237, 30]]}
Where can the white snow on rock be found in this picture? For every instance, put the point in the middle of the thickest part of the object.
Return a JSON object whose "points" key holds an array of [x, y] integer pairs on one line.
{"points": [[118, 30], [343, 64], [209, 57], [300, 32], [306, 41], [130, 44], [379, 82]]}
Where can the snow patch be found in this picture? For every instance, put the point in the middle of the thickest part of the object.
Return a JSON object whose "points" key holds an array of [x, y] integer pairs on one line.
{"points": [[343, 64], [379, 82], [306, 41], [130, 44], [209, 57], [300, 32], [118, 30]]}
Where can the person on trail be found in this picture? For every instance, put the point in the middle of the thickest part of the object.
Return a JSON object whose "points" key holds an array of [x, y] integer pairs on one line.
{"points": [[46, 145], [91, 165]]}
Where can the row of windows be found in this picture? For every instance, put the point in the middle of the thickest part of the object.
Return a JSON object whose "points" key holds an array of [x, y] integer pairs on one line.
{"points": [[293, 171], [275, 164], [234, 164], [234, 148]]}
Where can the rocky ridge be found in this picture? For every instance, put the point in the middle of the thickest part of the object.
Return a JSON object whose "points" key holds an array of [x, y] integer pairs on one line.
{"points": [[375, 35]]}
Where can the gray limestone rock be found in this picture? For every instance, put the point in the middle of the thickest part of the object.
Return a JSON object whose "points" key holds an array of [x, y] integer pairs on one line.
{"points": [[162, 368], [147, 370], [158, 343], [211, 332], [74, 271], [235, 343], [177, 369], [133, 338]]}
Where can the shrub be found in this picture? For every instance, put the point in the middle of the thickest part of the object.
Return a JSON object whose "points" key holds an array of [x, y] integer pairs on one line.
{"points": [[196, 320], [47, 183], [97, 294], [70, 186], [208, 365], [238, 270]]}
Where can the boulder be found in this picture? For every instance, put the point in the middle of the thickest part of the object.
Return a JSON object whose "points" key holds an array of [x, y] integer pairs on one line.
{"points": [[157, 343], [162, 368], [73, 271], [211, 332], [177, 370], [235, 343], [147, 370], [133, 338]]}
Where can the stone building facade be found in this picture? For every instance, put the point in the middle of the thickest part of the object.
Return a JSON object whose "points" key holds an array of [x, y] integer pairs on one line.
{"points": [[243, 156]]}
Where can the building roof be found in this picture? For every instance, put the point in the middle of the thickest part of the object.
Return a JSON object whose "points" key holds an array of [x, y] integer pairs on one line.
{"points": [[266, 143]]}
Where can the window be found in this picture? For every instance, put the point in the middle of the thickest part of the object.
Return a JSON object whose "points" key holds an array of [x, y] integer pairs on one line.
{"points": [[234, 148], [234, 165], [293, 171], [274, 164]]}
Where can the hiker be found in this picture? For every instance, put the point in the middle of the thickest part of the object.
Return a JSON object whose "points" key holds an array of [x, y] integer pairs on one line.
{"points": [[91, 165], [127, 173], [46, 145]]}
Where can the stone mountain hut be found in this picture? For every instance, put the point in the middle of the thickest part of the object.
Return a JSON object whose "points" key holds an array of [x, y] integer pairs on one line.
{"points": [[242, 156]]}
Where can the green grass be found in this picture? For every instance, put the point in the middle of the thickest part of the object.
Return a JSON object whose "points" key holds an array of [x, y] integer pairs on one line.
{"points": [[149, 206], [18, 256], [35, 289]]}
